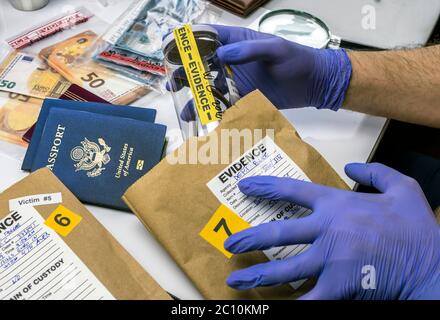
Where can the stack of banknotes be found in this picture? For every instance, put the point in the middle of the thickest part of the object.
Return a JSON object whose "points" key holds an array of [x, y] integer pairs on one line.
{"points": [[70, 60], [24, 83], [134, 44], [120, 71], [26, 79], [17, 114]]}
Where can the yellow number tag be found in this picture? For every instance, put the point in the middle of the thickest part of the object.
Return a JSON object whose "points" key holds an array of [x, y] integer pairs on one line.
{"points": [[62, 220], [223, 224]]}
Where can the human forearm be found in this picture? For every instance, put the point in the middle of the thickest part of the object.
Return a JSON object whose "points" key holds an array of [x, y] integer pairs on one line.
{"points": [[402, 85]]}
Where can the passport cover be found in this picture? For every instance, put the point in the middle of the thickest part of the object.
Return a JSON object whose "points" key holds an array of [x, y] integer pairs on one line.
{"points": [[74, 92], [143, 114], [98, 156]]}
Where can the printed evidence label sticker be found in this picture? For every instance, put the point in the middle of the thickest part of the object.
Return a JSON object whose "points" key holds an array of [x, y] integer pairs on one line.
{"points": [[195, 72], [36, 264], [35, 200], [264, 159]]}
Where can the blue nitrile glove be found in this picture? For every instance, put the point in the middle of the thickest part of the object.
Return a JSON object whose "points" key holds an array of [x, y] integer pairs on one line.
{"points": [[393, 233], [288, 74]]}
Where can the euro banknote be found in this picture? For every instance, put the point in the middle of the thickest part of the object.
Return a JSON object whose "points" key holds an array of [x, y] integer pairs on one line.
{"points": [[132, 60], [69, 58], [25, 74], [17, 114]]}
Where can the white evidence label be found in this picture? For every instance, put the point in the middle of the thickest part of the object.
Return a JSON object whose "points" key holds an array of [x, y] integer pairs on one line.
{"points": [[265, 158], [35, 200], [36, 264]]}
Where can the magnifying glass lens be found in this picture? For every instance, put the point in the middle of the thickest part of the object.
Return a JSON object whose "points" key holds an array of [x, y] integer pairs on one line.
{"points": [[296, 26]]}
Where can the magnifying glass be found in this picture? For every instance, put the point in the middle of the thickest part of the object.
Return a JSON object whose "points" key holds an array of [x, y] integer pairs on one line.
{"points": [[300, 27]]}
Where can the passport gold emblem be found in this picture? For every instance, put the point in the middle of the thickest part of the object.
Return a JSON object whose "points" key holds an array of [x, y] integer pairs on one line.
{"points": [[89, 156], [140, 165]]}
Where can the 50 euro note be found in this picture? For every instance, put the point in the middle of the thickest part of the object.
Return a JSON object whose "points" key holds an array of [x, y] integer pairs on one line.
{"points": [[69, 58], [17, 114], [25, 74]]}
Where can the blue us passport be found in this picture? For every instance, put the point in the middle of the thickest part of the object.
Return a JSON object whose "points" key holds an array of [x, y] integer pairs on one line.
{"points": [[143, 114], [98, 156]]}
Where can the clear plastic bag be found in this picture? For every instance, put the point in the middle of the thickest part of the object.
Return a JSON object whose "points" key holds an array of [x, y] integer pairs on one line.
{"points": [[49, 57], [56, 29], [65, 44], [133, 45], [158, 18], [18, 111]]}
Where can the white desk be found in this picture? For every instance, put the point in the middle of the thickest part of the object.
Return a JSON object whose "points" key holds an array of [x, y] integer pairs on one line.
{"points": [[399, 23], [341, 138]]}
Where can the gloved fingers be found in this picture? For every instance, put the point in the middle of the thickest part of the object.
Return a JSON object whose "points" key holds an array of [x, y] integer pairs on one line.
{"points": [[274, 234], [188, 112], [324, 289], [303, 193], [302, 266], [375, 175], [177, 81], [228, 34], [250, 51], [319, 292], [174, 86], [221, 84]]}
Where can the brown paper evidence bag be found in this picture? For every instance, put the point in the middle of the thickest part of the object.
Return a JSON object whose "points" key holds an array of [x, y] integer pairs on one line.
{"points": [[174, 202], [112, 265]]}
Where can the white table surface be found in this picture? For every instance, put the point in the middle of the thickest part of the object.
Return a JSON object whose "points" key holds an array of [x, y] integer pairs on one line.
{"points": [[399, 23], [340, 137]]}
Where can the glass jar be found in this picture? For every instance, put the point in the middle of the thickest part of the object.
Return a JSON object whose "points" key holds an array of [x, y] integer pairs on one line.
{"points": [[28, 5], [219, 78]]}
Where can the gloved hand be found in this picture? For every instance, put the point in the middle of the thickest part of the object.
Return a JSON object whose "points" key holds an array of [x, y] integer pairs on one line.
{"points": [[289, 74], [179, 80], [389, 240]]}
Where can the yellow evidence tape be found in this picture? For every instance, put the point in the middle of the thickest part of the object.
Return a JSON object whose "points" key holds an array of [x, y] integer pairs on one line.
{"points": [[195, 70]]}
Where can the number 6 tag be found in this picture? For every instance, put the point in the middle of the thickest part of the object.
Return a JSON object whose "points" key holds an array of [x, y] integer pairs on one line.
{"points": [[223, 224], [63, 221]]}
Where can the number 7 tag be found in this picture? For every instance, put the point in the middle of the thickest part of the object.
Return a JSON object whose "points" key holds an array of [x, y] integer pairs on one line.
{"points": [[223, 224]]}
